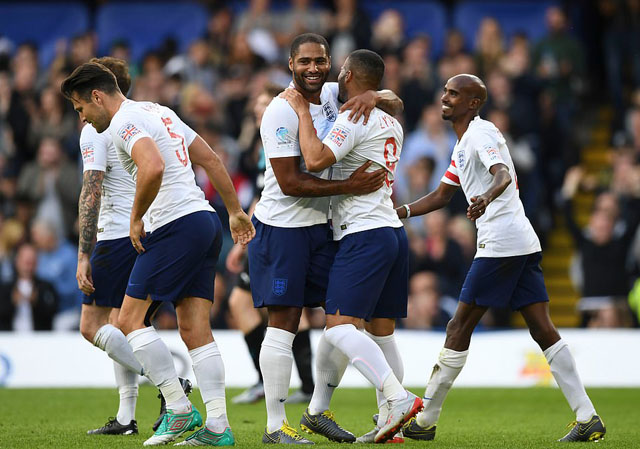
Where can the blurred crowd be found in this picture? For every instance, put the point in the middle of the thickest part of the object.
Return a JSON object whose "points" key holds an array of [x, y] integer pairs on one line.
{"points": [[541, 96]]}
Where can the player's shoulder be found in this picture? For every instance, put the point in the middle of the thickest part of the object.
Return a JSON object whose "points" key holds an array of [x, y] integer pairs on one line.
{"points": [[480, 129], [89, 135], [279, 111]]}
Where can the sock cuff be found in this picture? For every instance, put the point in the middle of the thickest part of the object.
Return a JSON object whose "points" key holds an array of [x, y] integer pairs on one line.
{"points": [[336, 333], [102, 335], [203, 352], [142, 337], [453, 359], [380, 340], [278, 338], [552, 350]]}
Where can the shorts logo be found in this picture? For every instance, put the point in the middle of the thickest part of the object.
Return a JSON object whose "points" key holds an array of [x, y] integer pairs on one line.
{"points": [[328, 112], [280, 286], [128, 131], [282, 136], [461, 160], [339, 134]]}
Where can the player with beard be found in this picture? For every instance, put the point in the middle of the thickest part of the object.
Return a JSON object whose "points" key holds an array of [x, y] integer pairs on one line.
{"points": [[290, 257]]}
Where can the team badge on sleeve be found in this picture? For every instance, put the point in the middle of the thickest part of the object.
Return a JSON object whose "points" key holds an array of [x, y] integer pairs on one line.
{"points": [[282, 136], [492, 152], [127, 131], [87, 152], [339, 134]]}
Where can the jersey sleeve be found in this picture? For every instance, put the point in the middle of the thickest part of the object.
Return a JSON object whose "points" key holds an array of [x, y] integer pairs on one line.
{"points": [[279, 130], [126, 129], [332, 88], [451, 175], [93, 148], [485, 144], [343, 137]]}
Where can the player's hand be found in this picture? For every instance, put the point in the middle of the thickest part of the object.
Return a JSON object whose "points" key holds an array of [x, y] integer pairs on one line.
{"points": [[242, 230], [295, 100], [360, 105], [136, 234], [478, 207], [362, 182], [235, 258], [83, 275]]}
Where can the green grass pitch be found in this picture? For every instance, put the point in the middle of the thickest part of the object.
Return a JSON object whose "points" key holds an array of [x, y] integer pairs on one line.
{"points": [[472, 418]]}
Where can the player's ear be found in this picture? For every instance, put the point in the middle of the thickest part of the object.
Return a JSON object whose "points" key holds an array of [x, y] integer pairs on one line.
{"points": [[291, 64], [95, 97], [474, 104]]}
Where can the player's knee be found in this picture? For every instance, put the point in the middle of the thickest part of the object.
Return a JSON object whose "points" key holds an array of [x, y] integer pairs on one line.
{"points": [[88, 331]]}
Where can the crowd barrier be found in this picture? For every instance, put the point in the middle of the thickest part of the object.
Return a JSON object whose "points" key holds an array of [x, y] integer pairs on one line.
{"points": [[496, 359]]}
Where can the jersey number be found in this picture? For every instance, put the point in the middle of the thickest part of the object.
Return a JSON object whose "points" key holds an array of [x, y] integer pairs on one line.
{"points": [[390, 147], [182, 158]]}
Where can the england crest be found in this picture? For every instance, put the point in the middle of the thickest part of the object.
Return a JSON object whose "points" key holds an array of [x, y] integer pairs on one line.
{"points": [[279, 287]]}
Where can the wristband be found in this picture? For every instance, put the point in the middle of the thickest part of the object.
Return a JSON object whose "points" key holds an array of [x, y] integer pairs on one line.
{"points": [[406, 207]]}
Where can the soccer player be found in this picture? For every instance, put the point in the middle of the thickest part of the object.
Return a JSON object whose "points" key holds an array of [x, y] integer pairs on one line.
{"points": [[290, 257], [506, 269], [367, 281], [177, 260], [104, 208]]}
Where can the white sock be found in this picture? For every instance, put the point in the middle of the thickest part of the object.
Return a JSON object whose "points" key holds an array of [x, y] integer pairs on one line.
{"points": [[127, 382], [445, 371], [276, 361], [389, 348], [209, 370], [368, 358], [330, 366], [563, 368], [156, 360], [112, 341]]}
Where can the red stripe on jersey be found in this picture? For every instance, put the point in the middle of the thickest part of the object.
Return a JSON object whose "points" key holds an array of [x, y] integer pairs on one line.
{"points": [[453, 162], [452, 177]]}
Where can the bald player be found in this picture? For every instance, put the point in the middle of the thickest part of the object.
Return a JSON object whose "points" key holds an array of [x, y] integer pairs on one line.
{"points": [[506, 269]]}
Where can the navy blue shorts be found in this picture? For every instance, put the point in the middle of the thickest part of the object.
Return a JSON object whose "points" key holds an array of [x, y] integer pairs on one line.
{"points": [[505, 281], [290, 266], [180, 259], [369, 277], [111, 264]]}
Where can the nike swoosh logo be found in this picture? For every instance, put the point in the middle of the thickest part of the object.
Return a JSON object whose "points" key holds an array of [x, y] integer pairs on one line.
{"points": [[332, 386], [282, 400]]}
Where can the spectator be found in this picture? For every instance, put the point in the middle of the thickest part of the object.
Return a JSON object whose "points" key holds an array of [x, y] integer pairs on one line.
{"points": [[12, 233], [489, 46], [51, 120], [388, 33], [424, 309], [418, 86], [57, 260], [351, 30], [27, 303], [52, 183]]}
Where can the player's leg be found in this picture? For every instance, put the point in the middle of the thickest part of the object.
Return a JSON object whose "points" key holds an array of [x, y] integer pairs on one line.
{"points": [[302, 357], [532, 301], [278, 261], [249, 321], [348, 302], [127, 383]]}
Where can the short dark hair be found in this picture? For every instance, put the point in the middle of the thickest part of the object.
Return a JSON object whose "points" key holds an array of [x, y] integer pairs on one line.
{"points": [[119, 68], [87, 77], [368, 67], [305, 39]]}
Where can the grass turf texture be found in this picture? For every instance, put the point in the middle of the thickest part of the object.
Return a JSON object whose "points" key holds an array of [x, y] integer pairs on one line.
{"points": [[472, 418]]}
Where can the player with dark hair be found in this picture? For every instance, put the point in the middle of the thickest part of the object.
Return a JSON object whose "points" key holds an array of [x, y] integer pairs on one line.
{"points": [[506, 269], [290, 258], [367, 281], [177, 260], [104, 208]]}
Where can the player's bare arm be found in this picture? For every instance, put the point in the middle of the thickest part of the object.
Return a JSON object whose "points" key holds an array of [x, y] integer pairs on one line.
{"points": [[294, 182], [317, 156], [88, 212], [435, 200], [242, 230], [363, 104], [150, 164], [479, 203]]}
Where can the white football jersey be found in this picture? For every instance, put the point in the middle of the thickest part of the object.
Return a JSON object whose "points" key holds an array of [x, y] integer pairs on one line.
{"points": [[279, 132], [504, 230], [118, 187], [353, 144], [179, 195]]}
